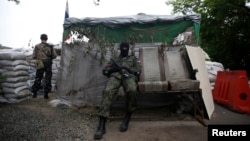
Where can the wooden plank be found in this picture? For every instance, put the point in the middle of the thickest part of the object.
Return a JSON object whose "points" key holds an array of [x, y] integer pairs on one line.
{"points": [[198, 62]]}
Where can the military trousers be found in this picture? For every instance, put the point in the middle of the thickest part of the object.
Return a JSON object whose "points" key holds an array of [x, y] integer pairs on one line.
{"points": [[111, 90], [39, 76]]}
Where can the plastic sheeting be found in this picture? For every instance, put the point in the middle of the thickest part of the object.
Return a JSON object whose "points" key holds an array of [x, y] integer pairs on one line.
{"points": [[80, 79], [126, 20]]}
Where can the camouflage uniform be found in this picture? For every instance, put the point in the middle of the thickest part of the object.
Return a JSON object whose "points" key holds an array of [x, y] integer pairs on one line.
{"points": [[117, 79], [45, 53]]}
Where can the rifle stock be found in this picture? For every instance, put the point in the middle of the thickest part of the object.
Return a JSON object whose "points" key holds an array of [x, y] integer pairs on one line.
{"points": [[51, 51]]}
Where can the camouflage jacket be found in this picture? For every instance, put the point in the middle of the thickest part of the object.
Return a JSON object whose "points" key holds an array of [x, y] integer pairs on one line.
{"points": [[44, 51], [130, 62]]}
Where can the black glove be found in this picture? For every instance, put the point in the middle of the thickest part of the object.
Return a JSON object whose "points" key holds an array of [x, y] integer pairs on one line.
{"points": [[105, 72], [108, 72]]}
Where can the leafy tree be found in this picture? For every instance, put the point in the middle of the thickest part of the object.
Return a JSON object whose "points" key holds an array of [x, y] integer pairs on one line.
{"points": [[225, 29], [16, 1]]}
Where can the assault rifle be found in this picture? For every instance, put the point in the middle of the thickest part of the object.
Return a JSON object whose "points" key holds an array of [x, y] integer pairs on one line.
{"points": [[51, 51], [124, 72]]}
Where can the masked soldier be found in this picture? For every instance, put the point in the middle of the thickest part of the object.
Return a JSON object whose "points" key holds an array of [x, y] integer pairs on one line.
{"points": [[121, 71], [44, 53]]}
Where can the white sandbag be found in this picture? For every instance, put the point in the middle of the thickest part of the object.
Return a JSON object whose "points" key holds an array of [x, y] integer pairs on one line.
{"points": [[212, 77], [13, 63], [55, 71], [57, 102], [3, 100], [54, 76], [54, 67], [214, 66], [16, 68], [10, 96], [219, 65], [214, 72], [53, 81], [22, 94], [57, 64], [2, 70], [14, 85], [7, 90], [15, 73], [212, 85], [14, 54], [17, 79]]}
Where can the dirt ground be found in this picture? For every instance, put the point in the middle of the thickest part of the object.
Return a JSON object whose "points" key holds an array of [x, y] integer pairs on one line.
{"points": [[83, 125]]}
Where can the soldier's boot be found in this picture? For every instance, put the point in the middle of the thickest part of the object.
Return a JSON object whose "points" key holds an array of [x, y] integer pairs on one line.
{"points": [[101, 128], [34, 94], [46, 95], [125, 122]]}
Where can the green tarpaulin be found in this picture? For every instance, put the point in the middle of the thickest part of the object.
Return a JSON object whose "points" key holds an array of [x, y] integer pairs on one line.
{"points": [[142, 28]]}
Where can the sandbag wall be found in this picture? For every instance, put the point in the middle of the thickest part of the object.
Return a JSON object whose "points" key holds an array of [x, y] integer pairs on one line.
{"points": [[213, 68], [55, 67], [14, 69], [17, 69]]}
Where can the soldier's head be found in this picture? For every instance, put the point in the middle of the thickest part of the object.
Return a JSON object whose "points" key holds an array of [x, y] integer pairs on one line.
{"points": [[44, 37], [124, 47]]}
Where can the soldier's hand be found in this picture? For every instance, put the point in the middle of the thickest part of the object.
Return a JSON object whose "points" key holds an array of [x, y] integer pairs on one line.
{"points": [[126, 69], [123, 71]]}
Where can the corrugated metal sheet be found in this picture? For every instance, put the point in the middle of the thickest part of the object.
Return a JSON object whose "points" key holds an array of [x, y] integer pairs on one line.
{"points": [[198, 62]]}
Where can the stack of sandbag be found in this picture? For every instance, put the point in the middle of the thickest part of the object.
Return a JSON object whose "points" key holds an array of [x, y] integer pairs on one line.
{"points": [[2, 99], [55, 67], [14, 69], [213, 68], [32, 71]]}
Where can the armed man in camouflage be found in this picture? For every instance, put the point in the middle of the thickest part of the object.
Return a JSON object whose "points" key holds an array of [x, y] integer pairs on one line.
{"points": [[44, 53], [121, 71]]}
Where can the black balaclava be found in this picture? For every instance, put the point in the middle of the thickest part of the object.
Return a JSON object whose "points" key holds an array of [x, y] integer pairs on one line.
{"points": [[124, 47]]}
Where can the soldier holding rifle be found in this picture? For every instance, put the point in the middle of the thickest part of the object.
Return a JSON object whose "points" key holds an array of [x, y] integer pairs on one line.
{"points": [[121, 71]]}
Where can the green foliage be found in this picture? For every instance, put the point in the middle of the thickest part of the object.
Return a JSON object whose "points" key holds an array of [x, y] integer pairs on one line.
{"points": [[225, 29], [185, 6]]}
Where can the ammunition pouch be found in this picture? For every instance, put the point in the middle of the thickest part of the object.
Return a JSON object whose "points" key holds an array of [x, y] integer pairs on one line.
{"points": [[39, 64]]}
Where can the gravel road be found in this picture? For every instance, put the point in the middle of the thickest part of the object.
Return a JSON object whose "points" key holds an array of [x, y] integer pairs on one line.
{"points": [[37, 120]]}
